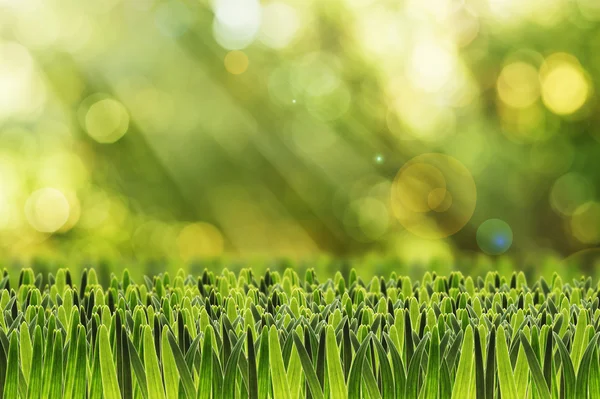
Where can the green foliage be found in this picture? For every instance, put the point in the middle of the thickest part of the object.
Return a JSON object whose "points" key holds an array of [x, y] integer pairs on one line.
{"points": [[214, 337]]}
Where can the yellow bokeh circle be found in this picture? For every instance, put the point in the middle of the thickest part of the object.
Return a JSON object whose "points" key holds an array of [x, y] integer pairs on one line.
{"points": [[366, 219], [47, 210], [198, 240], [106, 121], [420, 180], [518, 85], [569, 192], [433, 196], [586, 260], [236, 62], [585, 223], [565, 88], [439, 200]]}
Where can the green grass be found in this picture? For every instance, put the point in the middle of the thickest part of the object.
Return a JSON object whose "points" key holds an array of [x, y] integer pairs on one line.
{"points": [[279, 336]]}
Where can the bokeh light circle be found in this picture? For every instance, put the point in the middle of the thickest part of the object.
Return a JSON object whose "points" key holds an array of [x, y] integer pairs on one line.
{"points": [[280, 24], [494, 236], [197, 240], [47, 210], [106, 121], [432, 65], [552, 157], [236, 62], [236, 22], [564, 85], [439, 199], [366, 219], [518, 84], [433, 196], [585, 260], [585, 223], [570, 191], [173, 18]]}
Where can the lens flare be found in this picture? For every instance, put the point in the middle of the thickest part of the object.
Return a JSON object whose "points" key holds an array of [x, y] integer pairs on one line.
{"points": [[200, 240], [570, 191], [236, 62], [585, 223], [280, 24], [433, 196], [47, 210], [586, 259], [494, 236], [518, 85], [106, 121], [565, 88]]}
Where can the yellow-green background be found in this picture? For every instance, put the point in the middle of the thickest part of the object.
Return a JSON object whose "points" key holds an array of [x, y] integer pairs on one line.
{"points": [[194, 129]]}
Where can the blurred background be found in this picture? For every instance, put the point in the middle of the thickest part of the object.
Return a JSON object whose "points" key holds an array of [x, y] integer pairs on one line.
{"points": [[413, 130]]}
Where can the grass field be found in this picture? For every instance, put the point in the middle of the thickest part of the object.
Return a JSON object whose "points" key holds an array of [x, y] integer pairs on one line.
{"points": [[281, 335]]}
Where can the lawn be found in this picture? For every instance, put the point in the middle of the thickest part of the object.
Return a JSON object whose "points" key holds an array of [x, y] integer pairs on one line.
{"points": [[281, 335]]}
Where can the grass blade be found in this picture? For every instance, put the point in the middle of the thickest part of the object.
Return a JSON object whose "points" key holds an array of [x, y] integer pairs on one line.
{"points": [[578, 340], [414, 370], [479, 372], [80, 375], [3, 361], [445, 382], [281, 388], [548, 359], [110, 385], [263, 374], [56, 387], [536, 370], [433, 367], [506, 379], [354, 379], [231, 370], [371, 389], [567, 368], [153, 376], [462, 383], [35, 377], [584, 370], [138, 369], [25, 350], [95, 391], [337, 385], [294, 366], [252, 376], [399, 376], [11, 384], [309, 371], [47, 367], [124, 369], [169, 367], [521, 373], [594, 388], [387, 377], [71, 355], [206, 368], [490, 369], [184, 372]]}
